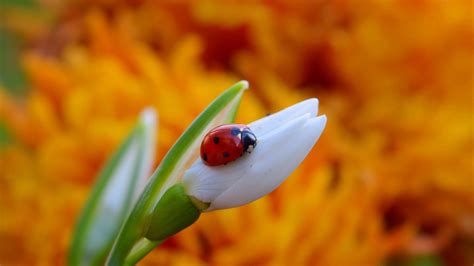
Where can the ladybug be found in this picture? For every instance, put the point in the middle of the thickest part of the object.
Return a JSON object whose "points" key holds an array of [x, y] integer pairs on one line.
{"points": [[227, 143]]}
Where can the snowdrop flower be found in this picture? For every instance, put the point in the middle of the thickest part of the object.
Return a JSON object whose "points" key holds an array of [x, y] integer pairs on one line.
{"points": [[284, 139]]}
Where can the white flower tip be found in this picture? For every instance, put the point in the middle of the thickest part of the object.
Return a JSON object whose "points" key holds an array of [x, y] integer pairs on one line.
{"points": [[149, 116], [311, 106], [148, 121], [312, 101], [322, 119], [245, 84]]}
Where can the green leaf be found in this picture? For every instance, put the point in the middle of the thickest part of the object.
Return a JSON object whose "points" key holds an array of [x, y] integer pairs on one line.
{"points": [[5, 135], [418, 260], [428, 260], [12, 76], [118, 186], [131, 242], [18, 3]]}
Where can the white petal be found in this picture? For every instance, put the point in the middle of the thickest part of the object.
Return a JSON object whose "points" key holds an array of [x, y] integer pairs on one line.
{"points": [[268, 123], [266, 167], [149, 120], [267, 172], [141, 153], [206, 183], [120, 182], [123, 176]]}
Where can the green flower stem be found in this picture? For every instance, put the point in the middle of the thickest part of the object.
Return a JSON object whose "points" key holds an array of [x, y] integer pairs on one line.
{"points": [[174, 212], [140, 250]]}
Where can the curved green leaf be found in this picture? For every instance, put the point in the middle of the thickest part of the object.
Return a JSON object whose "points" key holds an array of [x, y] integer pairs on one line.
{"points": [[131, 241], [118, 186]]}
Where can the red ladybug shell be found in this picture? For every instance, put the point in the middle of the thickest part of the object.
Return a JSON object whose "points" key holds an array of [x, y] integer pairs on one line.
{"points": [[224, 144]]}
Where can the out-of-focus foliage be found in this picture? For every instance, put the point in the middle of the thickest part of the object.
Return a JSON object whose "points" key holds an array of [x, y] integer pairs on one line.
{"points": [[11, 74], [391, 177]]}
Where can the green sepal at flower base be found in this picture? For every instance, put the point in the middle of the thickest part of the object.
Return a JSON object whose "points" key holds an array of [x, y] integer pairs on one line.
{"points": [[174, 212]]}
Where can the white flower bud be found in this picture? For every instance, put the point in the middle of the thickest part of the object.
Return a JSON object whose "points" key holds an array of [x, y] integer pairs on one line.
{"points": [[284, 139]]}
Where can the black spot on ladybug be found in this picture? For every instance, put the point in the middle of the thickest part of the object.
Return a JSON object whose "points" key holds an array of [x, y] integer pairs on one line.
{"points": [[268, 114], [216, 140], [204, 157], [235, 131], [226, 154]]}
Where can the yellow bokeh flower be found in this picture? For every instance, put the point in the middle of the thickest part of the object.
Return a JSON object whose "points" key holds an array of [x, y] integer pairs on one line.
{"points": [[391, 175]]}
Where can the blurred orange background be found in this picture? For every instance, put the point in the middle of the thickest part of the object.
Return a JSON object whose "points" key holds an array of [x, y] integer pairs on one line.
{"points": [[389, 183]]}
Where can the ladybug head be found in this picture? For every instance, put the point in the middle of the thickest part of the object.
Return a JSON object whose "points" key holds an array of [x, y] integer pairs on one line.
{"points": [[249, 140]]}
